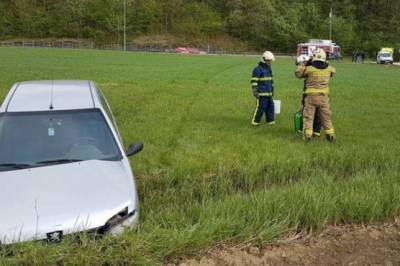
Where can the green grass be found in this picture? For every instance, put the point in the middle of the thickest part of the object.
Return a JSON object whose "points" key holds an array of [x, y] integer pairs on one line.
{"points": [[206, 176]]}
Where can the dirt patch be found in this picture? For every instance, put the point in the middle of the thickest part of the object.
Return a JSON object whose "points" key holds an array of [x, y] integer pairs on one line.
{"points": [[344, 245], [158, 39]]}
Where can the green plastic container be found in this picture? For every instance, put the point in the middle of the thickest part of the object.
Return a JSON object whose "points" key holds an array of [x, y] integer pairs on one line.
{"points": [[298, 121]]}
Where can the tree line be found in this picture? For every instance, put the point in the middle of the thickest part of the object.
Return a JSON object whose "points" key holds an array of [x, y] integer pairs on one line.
{"points": [[260, 24]]}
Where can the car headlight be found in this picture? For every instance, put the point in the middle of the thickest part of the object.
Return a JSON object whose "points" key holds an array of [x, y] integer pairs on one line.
{"points": [[116, 224]]}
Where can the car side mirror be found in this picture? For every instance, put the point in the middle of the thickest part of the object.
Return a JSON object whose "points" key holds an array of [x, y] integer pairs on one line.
{"points": [[134, 148]]}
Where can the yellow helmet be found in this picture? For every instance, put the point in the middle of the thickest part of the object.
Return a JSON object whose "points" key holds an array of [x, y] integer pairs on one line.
{"points": [[319, 55], [267, 56]]}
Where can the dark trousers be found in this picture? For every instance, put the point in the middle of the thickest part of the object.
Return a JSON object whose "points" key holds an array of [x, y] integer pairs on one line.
{"points": [[264, 105], [317, 125]]}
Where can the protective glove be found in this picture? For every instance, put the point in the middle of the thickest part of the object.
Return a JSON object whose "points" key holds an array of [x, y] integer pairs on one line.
{"points": [[255, 92]]}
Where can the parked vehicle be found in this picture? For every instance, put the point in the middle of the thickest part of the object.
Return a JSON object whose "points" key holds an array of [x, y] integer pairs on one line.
{"points": [[188, 50], [388, 49], [63, 167], [331, 49], [181, 50], [384, 57]]}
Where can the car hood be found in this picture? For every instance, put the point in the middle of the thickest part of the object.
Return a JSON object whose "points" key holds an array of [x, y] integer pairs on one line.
{"points": [[68, 197]]}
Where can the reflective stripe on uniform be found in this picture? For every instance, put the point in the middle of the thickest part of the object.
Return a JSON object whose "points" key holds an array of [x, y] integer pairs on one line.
{"points": [[261, 79], [313, 90], [265, 94], [255, 80], [308, 132], [255, 113], [330, 131]]}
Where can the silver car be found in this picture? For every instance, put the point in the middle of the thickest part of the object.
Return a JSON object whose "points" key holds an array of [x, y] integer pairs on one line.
{"points": [[63, 167], [384, 58]]}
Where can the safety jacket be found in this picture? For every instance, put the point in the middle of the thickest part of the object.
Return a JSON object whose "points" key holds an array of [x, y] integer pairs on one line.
{"points": [[262, 80], [316, 77]]}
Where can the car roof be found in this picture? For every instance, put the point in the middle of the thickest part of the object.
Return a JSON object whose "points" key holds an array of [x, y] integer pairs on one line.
{"points": [[46, 95]]}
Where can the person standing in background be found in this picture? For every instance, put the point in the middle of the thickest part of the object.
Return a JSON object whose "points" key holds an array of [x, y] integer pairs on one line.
{"points": [[262, 85]]}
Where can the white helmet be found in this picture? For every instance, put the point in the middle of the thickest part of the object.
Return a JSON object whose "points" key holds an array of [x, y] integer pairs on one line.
{"points": [[302, 58], [267, 55], [319, 55]]}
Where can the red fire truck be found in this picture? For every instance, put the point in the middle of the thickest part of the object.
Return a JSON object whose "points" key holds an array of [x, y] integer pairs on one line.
{"points": [[332, 49]]}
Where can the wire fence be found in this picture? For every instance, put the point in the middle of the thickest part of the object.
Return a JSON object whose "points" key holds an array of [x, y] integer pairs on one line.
{"points": [[68, 44]]}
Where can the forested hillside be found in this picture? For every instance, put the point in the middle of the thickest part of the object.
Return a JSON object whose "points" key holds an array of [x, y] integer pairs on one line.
{"points": [[276, 24]]}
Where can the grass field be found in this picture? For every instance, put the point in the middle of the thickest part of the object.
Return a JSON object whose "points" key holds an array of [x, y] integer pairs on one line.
{"points": [[206, 176]]}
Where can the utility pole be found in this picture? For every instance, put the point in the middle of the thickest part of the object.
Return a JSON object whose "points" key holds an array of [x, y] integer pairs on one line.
{"points": [[124, 26], [330, 25], [330, 31], [118, 32]]}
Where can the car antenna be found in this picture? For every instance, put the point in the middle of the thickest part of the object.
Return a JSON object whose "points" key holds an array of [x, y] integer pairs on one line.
{"points": [[51, 97]]}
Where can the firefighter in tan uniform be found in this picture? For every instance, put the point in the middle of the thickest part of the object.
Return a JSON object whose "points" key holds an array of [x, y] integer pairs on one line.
{"points": [[317, 94]]}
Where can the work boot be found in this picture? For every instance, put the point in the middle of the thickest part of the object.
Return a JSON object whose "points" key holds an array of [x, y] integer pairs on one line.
{"points": [[315, 136], [307, 138], [330, 138]]}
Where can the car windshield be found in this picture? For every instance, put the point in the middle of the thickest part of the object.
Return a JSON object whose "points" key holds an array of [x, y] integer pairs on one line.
{"points": [[385, 55], [41, 138]]}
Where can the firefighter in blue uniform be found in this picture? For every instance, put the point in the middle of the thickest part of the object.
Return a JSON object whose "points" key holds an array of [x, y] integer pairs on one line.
{"points": [[263, 90]]}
